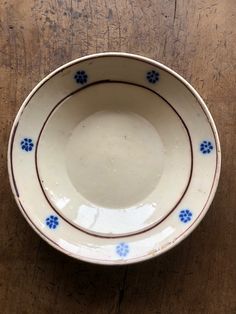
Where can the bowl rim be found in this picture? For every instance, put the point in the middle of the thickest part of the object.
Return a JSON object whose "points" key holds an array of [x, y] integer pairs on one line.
{"points": [[201, 103]]}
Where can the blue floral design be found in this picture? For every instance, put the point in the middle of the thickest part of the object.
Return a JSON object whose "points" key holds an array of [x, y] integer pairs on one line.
{"points": [[122, 249], [206, 147], [27, 144], [81, 77], [52, 221], [185, 215], [153, 76]]}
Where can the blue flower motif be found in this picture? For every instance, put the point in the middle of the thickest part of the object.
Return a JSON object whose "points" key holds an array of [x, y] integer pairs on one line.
{"points": [[122, 249], [153, 76], [52, 221], [27, 144], [81, 77], [185, 215], [206, 147]]}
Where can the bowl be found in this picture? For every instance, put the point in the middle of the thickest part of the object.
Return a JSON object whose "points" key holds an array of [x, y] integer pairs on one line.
{"points": [[113, 158]]}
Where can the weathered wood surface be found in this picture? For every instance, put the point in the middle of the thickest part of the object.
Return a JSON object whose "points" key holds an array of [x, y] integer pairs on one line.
{"points": [[195, 38]]}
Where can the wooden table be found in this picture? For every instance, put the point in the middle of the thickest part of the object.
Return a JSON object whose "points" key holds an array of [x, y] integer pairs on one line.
{"points": [[195, 38]]}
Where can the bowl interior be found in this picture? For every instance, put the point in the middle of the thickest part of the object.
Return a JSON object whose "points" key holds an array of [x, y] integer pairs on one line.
{"points": [[114, 158]]}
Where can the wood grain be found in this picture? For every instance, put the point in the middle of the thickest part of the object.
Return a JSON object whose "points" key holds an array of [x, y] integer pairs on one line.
{"points": [[195, 38]]}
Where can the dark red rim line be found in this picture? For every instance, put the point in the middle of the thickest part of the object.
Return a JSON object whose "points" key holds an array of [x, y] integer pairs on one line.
{"points": [[13, 177], [61, 215]]}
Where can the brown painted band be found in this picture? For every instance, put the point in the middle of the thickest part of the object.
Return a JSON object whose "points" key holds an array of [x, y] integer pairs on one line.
{"points": [[37, 169]]}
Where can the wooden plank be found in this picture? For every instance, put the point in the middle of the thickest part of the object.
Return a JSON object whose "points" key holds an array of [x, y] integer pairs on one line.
{"points": [[195, 38]]}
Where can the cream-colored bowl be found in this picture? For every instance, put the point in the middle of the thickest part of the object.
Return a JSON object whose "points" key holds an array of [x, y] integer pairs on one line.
{"points": [[114, 158]]}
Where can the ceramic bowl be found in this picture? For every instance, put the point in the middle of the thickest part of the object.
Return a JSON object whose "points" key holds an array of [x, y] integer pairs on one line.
{"points": [[114, 158]]}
